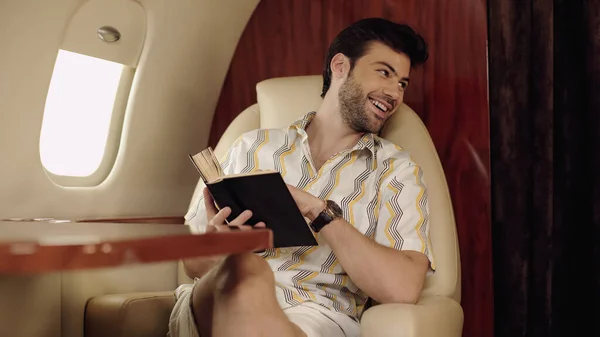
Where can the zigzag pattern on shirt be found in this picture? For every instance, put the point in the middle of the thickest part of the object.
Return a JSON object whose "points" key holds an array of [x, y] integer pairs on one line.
{"points": [[252, 154], [329, 264], [423, 213], [334, 175], [277, 155], [288, 295], [299, 278], [373, 207], [349, 296], [306, 174], [338, 283], [328, 295], [396, 212], [348, 202], [295, 258], [270, 253]]}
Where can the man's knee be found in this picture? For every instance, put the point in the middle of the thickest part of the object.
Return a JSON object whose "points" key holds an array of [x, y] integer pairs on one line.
{"points": [[235, 281], [242, 272]]}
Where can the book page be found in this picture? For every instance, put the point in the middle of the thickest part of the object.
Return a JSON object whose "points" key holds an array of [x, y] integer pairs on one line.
{"points": [[210, 169], [207, 165]]}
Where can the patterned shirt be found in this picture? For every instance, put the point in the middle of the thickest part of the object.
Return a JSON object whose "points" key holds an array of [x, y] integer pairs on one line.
{"points": [[379, 188]]}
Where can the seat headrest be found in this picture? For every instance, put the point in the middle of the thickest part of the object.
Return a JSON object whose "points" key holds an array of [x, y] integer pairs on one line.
{"points": [[284, 100]]}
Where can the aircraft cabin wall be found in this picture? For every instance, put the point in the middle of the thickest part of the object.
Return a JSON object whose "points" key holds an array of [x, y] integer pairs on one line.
{"points": [[168, 67], [175, 63]]}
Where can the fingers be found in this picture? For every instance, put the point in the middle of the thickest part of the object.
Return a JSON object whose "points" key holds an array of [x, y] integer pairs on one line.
{"points": [[226, 228], [220, 217], [218, 224], [246, 227], [209, 204], [241, 219]]}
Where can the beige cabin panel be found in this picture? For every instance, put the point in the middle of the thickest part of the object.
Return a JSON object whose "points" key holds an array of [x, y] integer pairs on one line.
{"points": [[187, 49], [30, 305], [186, 52]]}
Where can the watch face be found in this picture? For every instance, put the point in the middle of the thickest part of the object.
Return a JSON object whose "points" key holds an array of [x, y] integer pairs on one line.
{"points": [[335, 208]]}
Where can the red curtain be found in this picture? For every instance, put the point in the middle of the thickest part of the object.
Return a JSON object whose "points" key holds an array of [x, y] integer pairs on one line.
{"points": [[545, 126]]}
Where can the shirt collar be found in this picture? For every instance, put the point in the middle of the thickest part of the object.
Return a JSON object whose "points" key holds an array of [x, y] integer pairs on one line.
{"points": [[302, 123], [369, 141]]}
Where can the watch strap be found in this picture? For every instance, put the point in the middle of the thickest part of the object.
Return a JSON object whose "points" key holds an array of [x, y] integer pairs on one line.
{"points": [[331, 212], [320, 221]]}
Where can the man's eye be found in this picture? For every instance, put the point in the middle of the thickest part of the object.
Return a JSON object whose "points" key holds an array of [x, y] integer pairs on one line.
{"points": [[403, 85], [384, 72]]}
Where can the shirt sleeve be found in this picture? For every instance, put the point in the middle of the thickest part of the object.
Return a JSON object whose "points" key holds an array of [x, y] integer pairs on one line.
{"points": [[403, 221], [196, 214]]}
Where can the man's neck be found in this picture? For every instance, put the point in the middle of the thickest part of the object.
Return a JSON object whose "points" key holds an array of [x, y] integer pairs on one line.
{"points": [[328, 134]]}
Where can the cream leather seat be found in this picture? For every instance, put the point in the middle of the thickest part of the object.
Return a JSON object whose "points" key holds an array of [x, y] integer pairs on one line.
{"points": [[281, 101]]}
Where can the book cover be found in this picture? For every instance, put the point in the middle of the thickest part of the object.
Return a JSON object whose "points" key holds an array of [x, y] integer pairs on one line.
{"points": [[264, 193]]}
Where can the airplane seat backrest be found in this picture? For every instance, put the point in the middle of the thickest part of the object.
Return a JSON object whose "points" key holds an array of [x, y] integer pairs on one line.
{"points": [[281, 101]]}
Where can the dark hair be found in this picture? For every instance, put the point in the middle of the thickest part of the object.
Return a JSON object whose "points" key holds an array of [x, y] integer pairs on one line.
{"points": [[354, 40]]}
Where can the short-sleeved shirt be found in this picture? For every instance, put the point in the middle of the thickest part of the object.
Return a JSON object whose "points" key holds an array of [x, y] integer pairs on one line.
{"points": [[379, 188]]}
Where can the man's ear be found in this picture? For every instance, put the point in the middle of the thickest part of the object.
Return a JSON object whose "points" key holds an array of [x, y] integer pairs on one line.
{"points": [[340, 66]]}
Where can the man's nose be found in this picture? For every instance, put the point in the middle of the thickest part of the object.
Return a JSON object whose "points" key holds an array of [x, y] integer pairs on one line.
{"points": [[393, 91]]}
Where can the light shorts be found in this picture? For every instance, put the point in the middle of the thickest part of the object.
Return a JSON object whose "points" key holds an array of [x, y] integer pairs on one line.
{"points": [[313, 319]]}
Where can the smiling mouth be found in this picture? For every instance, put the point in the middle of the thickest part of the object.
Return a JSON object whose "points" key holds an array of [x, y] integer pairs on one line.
{"points": [[381, 109], [379, 105]]}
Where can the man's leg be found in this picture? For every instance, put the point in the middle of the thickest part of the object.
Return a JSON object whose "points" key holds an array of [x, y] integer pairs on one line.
{"points": [[237, 298]]}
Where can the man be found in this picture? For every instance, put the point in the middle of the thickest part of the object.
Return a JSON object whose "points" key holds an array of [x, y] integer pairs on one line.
{"points": [[364, 195]]}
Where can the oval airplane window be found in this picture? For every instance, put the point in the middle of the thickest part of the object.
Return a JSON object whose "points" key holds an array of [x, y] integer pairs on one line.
{"points": [[89, 91], [78, 111]]}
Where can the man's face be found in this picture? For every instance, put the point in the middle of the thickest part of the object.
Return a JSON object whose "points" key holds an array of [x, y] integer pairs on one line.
{"points": [[374, 89]]}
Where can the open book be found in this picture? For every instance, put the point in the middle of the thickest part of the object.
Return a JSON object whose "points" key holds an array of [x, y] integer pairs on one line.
{"points": [[263, 192]]}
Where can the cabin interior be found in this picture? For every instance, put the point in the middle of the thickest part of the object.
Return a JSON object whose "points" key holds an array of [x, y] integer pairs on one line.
{"points": [[101, 101]]}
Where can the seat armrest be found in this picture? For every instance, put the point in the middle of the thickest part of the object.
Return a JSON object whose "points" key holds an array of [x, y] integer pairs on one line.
{"points": [[433, 316], [131, 315]]}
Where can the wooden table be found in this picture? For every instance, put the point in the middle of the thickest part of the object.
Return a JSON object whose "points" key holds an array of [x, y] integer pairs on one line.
{"points": [[43, 246]]}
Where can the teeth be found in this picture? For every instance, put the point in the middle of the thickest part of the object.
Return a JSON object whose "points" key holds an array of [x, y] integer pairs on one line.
{"points": [[379, 105]]}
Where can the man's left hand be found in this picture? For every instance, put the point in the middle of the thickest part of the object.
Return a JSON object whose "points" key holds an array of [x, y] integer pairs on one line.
{"points": [[309, 205]]}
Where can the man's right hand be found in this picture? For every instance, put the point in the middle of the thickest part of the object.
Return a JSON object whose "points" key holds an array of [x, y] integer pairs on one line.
{"points": [[216, 218]]}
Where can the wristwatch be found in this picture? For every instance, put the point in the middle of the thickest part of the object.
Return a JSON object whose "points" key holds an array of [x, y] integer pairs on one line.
{"points": [[331, 212]]}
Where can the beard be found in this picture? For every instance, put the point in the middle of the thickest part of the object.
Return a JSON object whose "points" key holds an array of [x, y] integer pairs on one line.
{"points": [[353, 108]]}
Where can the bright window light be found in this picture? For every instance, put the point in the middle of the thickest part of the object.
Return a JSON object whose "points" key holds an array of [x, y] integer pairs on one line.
{"points": [[78, 112]]}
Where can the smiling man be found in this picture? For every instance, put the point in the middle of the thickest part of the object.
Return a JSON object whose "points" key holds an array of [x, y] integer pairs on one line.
{"points": [[365, 198]]}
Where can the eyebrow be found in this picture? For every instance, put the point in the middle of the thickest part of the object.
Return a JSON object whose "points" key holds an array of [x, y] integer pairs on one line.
{"points": [[392, 69]]}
